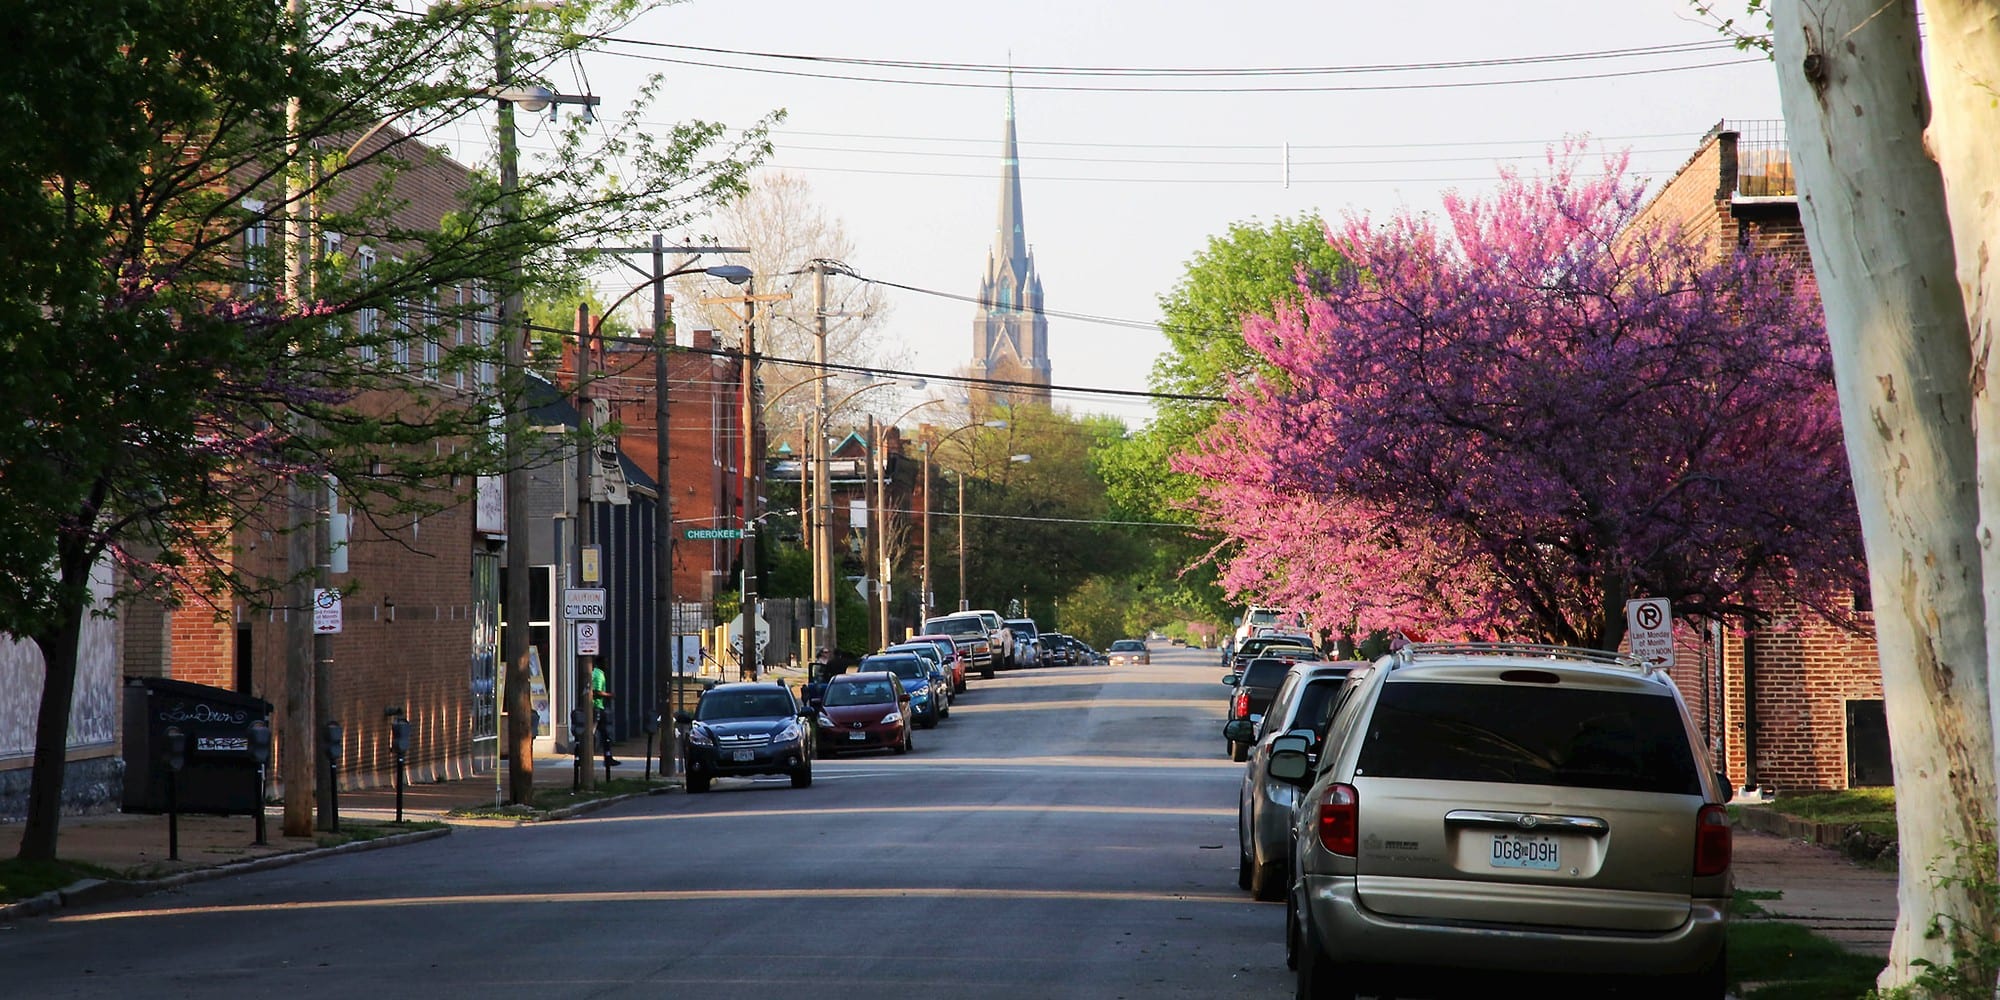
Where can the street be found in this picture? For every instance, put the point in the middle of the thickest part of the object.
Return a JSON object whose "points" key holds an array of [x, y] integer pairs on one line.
{"points": [[1067, 832]]}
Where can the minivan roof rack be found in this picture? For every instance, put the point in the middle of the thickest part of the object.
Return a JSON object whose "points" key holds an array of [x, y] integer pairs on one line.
{"points": [[1529, 650]]}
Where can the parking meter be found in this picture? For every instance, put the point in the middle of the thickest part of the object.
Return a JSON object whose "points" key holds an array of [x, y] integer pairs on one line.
{"points": [[335, 738], [332, 739], [399, 738], [260, 751], [651, 724], [260, 743], [177, 746]]}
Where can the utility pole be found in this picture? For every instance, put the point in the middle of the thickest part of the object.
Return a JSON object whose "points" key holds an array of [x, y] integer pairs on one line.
{"points": [[521, 721], [963, 604], [871, 578], [827, 637], [924, 599], [299, 752], [881, 525], [586, 368], [663, 531], [753, 654]]}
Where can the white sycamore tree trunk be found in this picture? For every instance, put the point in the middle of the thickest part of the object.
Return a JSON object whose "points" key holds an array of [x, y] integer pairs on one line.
{"points": [[1874, 207]]}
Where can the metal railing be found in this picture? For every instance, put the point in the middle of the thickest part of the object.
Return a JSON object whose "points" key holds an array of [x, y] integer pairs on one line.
{"points": [[1763, 159]]}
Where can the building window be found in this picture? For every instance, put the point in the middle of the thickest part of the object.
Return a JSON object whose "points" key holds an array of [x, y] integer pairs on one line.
{"points": [[256, 250], [432, 330], [368, 319], [405, 327], [483, 326]]}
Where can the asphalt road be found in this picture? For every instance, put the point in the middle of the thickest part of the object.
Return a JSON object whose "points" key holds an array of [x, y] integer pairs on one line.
{"points": [[1068, 832]]}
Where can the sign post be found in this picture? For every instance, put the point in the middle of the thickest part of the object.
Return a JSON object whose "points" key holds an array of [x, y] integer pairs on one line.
{"points": [[1649, 622]]}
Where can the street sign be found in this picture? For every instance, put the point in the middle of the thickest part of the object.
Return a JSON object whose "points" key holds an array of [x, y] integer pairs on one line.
{"points": [[586, 638], [593, 564], [1649, 623], [326, 611], [711, 534], [586, 603]]}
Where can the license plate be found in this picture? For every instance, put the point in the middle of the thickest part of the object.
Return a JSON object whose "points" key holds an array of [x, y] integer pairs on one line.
{"points": [[1540, 853], [745, 755], [857, 736]]}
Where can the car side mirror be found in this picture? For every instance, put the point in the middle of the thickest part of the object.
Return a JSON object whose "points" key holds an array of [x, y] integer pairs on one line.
{"points": [[1239, 731], [1231, 679], [1289, 762], [816, 704]]}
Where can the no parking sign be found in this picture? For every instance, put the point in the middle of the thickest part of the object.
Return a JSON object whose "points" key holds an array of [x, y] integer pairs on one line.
{"points": [[586, 638]]}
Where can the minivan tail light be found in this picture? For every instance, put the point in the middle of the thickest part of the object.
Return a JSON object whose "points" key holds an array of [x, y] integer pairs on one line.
{"points": [[1339, 819], [1713, 843], [1239, 707]]}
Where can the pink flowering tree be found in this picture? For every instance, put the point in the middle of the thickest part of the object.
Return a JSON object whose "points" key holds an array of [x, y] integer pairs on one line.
{"points": [[1509, 421]]}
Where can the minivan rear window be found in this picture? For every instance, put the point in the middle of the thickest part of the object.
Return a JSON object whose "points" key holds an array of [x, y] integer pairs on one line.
{"points": [[1265, 673], [1529, 735]]}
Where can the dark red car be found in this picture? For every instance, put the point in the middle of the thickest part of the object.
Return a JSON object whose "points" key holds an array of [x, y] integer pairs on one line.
{"points": [[868, 711]]}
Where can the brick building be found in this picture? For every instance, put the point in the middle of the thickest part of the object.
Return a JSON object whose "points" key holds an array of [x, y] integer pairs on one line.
{"points": [[1797, 703], [420, 619]]}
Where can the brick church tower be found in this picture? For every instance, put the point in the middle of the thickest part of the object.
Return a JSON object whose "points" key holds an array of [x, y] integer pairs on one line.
{"points": [[1010, 335]]}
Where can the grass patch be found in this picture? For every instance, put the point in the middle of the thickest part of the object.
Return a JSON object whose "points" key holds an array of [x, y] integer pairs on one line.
{"points": [[1872, 809], [1788, 962], [552, 799], [548, 800], [21, 880], [1744, 902], [353, 832]]}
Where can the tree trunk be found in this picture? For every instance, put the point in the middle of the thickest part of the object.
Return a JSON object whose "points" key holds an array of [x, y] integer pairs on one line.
{"points": [[1874, 213], [45, 789], [1963, 63]]}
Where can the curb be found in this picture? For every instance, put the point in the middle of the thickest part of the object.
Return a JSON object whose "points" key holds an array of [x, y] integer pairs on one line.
{"points": [[104, 890], [1851, 841]]}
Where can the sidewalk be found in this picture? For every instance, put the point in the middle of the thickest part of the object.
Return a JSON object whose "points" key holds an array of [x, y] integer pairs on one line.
{"points": [[1848, 903], [137, 844]]}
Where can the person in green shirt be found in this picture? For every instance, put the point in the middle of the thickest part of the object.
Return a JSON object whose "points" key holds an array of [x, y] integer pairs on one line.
{"points": [[600, 693]]}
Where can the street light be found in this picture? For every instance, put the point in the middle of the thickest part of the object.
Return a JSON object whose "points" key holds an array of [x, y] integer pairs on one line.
{"points": [[930, 447], [663, 532]]}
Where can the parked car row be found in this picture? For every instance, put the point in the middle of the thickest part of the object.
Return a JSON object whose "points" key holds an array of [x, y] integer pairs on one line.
{"points": [[1458, 810], [749, 729]]}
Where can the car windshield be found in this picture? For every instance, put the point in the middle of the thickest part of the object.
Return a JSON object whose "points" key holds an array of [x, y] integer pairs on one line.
{"points": [[859, 693], [1265, 673], [717, 706], [955, 626], [926, 650], [1529, 735], [1263, 617], [1127, 646], [908, 668], [1023, 630]]}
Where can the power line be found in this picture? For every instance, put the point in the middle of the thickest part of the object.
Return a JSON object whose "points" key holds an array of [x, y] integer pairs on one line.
{"points": [[1313, 89], [1055, 520], [830, 366], [1671, 48], [1460, 143]]}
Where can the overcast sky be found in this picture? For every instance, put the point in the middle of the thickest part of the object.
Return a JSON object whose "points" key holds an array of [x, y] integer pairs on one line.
{"points": [[1121, 186]]}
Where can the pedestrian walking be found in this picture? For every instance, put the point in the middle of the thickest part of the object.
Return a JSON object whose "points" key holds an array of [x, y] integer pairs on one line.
{"points": [[600, 696]]}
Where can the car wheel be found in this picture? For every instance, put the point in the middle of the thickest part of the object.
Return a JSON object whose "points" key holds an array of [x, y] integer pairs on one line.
{"points": [[958, 686], [803, 777], [1291, 933], [1319, 978], [909, 740], [985, 673], [1266, 879], [1243, 867], [697, 783]]}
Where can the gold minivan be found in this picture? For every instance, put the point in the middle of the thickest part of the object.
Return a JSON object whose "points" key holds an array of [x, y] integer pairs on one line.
{"points": [[1483, 808]]}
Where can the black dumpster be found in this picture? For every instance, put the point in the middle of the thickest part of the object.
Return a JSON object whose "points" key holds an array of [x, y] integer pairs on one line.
{"points": [[220, 775]]}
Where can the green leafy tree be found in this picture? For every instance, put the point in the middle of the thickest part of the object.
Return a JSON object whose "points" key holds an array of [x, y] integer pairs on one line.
{"points": [[1034, 529], [163, 386], [1246, 271]]}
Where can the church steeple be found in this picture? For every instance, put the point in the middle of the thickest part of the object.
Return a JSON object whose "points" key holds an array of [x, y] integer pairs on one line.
{"points": [[1010, 334]]}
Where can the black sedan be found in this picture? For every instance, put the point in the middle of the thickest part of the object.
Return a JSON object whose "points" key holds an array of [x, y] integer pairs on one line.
{"points": [[745, 729]]}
